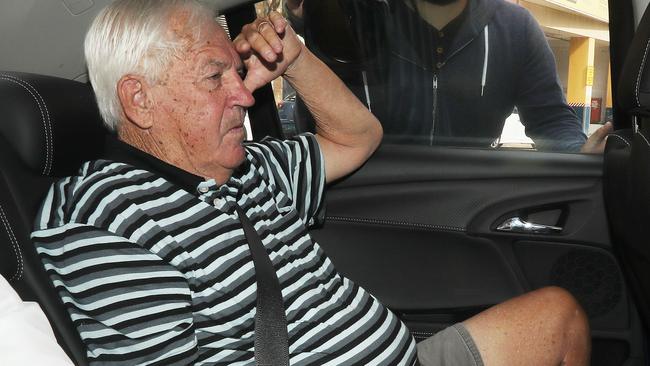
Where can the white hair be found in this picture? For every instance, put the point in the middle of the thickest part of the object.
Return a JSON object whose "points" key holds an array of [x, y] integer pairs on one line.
{"points": [[133, 37]]}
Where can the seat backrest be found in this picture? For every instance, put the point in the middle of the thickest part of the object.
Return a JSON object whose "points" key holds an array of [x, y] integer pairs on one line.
{"points": [[48, 127], [627, 171]]}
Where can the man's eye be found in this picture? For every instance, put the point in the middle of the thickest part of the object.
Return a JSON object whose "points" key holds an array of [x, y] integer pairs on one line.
{"points": [[216, 76]]}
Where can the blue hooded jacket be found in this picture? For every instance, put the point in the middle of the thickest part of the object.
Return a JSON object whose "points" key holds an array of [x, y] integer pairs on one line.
{"points": [[499, 59]]}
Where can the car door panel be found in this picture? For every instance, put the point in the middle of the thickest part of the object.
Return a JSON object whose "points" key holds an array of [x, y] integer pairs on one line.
{"points": [[416, 226], [410, 270], [472, 206]]}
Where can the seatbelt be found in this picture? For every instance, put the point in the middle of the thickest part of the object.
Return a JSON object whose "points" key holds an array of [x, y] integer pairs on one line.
{"points": [[271, 338]]}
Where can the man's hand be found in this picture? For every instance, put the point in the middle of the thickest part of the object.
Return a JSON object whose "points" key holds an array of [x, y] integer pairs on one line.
{"points": [[268, 47], [596, 142], [346, 131]]}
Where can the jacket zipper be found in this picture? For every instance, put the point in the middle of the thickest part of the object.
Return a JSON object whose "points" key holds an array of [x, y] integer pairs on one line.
{"points": [[435, 107], [435, 92]]}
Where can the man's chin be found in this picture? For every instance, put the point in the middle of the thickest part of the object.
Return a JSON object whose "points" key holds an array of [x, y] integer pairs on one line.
{"points": [[237, 157]]}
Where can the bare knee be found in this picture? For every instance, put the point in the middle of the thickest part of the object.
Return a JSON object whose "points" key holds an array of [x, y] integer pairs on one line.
{"points": [[560, 304], [549, 323], [557, 296], [570, 321]]}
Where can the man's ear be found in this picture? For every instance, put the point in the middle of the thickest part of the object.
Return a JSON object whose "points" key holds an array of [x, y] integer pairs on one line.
{"points": [[133, 92]]}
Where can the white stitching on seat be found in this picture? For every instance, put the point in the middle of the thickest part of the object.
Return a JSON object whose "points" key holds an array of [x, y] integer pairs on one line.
{"points": [[638, 78], [644, 138], [45, 117], [620, 137], [15, 247], [395, 223], [422, 333], [47, 126]]}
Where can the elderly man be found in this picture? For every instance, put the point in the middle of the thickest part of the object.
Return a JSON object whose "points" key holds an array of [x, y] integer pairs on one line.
{"points": [[151, 250]]}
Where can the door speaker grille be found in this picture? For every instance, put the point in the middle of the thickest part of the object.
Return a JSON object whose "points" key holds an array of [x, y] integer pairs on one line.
{"points": [[592, 277]]}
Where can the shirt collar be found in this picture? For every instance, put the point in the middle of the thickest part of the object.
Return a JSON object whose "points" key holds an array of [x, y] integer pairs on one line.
{"points": [[452, 28], [122, 152]]}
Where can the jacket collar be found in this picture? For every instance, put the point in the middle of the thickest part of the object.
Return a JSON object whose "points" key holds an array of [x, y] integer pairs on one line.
{"points": [[480, 13]]}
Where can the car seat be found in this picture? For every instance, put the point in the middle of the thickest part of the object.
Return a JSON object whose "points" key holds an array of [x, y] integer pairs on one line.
{"points": [[627, 172], [41, 138]]}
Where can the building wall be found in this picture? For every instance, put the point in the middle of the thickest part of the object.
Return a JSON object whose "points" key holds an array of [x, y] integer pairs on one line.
{"points": [[563, 20], [596, 9], [601, 64], [560, 50]]}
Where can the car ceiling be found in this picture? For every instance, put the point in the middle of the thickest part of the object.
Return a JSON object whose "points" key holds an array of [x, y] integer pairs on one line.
{"points": [[52, 43], [46, 37]]}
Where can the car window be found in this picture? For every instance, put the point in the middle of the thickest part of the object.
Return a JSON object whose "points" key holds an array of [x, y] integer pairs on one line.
{"points": [[283, 93], [491, 74]]}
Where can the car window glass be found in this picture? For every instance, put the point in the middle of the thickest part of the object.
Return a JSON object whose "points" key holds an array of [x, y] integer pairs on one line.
{"points": [[494, 74], [283, 93]]}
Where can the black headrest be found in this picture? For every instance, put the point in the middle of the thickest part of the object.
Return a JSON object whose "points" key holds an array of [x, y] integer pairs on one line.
{"points": [[53, 124], [328, 32], [634, 84], [345, 33]]}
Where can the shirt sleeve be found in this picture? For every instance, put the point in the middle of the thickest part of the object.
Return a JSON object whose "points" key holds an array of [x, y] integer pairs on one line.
{"points": [[549, 120], [128, 305], [295, 169]]}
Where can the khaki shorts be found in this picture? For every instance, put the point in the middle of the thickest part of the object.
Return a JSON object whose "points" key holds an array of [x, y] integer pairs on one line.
{"points": [[451, 346]]}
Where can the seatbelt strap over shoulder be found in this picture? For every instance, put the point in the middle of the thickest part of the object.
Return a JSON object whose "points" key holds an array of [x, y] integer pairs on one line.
{"points": [[271, 337]]}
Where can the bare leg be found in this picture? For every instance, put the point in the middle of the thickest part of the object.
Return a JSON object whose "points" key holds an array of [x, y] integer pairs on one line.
{"points": [[543, 327]]}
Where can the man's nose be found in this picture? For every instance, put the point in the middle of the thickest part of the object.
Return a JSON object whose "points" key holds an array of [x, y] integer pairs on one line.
{"points": [[241, 95]]}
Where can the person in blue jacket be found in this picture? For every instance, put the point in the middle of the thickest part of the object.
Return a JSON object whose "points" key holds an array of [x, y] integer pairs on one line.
{"points": [[449, 72]]}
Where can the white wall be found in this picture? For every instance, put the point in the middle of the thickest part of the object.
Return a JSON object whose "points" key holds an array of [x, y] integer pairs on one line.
{"points": [[560, 50]]}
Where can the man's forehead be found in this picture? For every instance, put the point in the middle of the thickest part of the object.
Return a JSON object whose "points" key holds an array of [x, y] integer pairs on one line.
{"points": [[196, 32], [221, 54], [215, 40]]}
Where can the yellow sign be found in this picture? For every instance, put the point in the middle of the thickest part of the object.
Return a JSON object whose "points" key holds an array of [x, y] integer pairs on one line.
{"points": [[590, 75]]}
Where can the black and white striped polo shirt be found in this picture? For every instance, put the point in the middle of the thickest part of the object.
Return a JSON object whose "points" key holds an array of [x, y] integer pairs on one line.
{"points": [[153, 266]]}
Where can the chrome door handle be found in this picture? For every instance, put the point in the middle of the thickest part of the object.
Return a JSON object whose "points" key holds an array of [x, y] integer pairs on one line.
{"points": [[517, 225]]}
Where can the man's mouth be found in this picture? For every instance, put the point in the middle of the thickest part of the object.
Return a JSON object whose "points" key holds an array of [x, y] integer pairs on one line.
{"points": [[238, 123], [236, 129]]}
